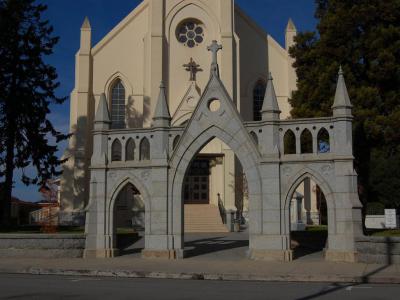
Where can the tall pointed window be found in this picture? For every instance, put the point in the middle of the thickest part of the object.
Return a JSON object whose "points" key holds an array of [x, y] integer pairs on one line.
{"points": [[306, 141], [118, 105], [116, 151], [258, 99], [289, 142], [144, 149], [130, 150]]}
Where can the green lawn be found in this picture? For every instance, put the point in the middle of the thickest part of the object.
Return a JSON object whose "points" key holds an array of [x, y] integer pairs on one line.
{"points": [[317, 228], [386, 232]]}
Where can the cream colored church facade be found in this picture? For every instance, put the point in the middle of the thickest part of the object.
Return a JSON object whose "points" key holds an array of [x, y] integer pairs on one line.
{"points": [[166, 41]]}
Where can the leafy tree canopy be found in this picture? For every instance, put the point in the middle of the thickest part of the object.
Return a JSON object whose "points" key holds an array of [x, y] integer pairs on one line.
{"points": [[27, 89], [364, 37]]}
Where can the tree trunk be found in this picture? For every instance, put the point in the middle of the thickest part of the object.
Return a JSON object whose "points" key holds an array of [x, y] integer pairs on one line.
{"points": [[9, 174]]}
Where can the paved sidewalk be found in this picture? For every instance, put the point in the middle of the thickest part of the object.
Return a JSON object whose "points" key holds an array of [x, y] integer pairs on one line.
{"points": [[213, 257], [307, 271]]}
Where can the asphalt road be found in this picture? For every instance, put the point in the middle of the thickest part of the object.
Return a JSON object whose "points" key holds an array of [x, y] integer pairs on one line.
{"points": [[55, 287]]}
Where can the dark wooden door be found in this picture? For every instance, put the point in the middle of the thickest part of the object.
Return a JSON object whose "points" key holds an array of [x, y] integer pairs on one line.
{"points": [[196, 188]]}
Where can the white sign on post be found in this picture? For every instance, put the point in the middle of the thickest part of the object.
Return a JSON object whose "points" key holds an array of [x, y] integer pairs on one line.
{"points": [[390, 218]]}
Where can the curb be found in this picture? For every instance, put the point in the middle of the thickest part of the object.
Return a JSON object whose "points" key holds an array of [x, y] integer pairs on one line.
{"points": [[208, 276]]}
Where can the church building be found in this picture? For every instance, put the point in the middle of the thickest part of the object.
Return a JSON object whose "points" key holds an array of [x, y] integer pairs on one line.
{"points": [[167, 41]]}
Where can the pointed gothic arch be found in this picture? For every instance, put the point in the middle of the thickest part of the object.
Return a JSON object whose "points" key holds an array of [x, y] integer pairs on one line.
{"points": [[207, 16], [130, 150], [116, 150], [117, 104], [175, 142], [255, 137], [323, 141], [289, 142], [144, 149], [306, 142], [121, 184], [248, 156], [325, 186]]}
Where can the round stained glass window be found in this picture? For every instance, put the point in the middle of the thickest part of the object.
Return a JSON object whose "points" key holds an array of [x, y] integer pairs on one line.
{"points": [[190, 34]]}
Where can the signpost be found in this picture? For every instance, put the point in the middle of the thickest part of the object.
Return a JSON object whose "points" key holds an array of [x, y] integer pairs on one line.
{"points": [[390, 218]]}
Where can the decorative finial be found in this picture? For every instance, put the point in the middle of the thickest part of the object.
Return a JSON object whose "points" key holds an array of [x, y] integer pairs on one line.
{"points": [[193, 68], [341, 73], [342, 104], [290, 25], [214, 48], [270, 109], [86, 24], [161, 117], [102, 118]]}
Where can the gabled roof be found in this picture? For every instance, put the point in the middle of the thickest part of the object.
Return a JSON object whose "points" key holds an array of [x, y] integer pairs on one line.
{"points": [[121, 25]]}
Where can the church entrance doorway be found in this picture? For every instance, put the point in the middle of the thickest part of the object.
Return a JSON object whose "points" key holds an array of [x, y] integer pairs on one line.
{"points": [[213, 213], [129, 221], [197, 182]]}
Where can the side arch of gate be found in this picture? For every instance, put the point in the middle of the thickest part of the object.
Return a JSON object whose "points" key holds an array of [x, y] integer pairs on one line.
{"points": [[323, 182], [113, 196]]}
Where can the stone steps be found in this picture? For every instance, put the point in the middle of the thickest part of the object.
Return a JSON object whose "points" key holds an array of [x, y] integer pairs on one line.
{"points": [[203, 218]]}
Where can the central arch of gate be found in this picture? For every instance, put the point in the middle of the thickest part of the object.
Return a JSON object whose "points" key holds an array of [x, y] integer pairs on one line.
{"points": [[249, 157]]}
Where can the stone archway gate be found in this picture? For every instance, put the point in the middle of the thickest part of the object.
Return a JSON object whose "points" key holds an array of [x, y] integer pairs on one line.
{"points": [[272, 176]]}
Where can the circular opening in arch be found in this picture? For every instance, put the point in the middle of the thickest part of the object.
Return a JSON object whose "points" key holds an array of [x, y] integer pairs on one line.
{"points": [[214, 105]]}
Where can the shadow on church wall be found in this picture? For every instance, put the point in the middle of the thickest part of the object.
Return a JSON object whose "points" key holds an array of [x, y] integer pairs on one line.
{"points": [[133, 116]]}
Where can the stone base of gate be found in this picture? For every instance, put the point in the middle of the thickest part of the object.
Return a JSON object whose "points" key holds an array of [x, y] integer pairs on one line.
{"points": [[271, 255], [340, 256], [160, 254], [100, 253]]}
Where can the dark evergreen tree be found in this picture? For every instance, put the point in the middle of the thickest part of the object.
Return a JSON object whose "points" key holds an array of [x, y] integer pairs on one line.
{"points": [[27, 89], [364, 37]]}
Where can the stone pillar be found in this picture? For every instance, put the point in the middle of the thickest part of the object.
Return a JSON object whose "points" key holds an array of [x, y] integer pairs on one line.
{"points": [[100, 242], [345, 221], [269, 233], [269, 236], [307, 201], [157, 240]]}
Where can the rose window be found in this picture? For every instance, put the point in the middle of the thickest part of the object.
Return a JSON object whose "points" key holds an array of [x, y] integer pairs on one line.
{"points": [[190, 34]]}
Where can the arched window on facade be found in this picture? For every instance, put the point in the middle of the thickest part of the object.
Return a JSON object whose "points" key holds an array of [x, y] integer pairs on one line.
{"points": [[130, 150], [118, 105], [116, 150], [289, 142], [258, 99], [175, 142], [254, 137], [144, 149], [323, 141], [306, 142]]}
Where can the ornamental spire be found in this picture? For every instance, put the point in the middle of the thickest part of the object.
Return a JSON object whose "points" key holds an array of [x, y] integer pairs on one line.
{"points": [[342, 104], [162, 118], [270, 109], [102, 117]]}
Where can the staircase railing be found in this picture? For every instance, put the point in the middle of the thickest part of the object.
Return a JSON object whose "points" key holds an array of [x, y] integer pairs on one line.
{"points": [[222, 210]]}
